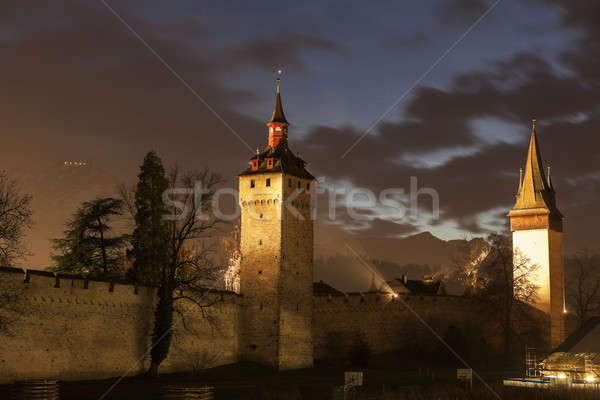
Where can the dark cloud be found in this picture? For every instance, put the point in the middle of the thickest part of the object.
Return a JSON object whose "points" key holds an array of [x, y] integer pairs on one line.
{"points": [[512, 90], [412, 41], [78, 85], [462, 12], [288, 49]]}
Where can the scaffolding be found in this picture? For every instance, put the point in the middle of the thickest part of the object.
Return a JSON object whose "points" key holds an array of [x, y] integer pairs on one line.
{"points": [[531, 365]]}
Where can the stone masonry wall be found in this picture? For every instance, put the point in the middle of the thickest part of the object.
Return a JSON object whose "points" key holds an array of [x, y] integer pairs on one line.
{"points": [[296, 287], [276, 270], [260, 245], [68, 331], [387, 324]]}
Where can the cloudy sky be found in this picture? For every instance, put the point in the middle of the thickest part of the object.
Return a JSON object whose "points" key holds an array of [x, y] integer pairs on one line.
{"points": [[376, 92]]}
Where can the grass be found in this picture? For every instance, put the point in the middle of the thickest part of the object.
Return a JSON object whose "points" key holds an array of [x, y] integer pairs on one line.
{"points": [[387, 378]]}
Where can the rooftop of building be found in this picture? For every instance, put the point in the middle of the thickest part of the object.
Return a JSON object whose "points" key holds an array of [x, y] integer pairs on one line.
{"points": [[581, 347], [284, 161], [430, 287]]}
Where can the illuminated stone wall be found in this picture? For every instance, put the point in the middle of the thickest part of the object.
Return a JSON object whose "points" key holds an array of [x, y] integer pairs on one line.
{"points": [[70, 332], [533, 243], [544, 248], [388, 324], [276, 271]]}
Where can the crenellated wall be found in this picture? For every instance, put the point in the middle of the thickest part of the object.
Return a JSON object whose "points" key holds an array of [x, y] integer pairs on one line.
{"points": [[76, 329], [388, 323], [72, 329]]}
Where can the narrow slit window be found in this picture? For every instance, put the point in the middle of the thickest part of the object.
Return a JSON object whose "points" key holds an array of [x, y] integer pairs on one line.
{"points": [[268, 181], [251, 183]]}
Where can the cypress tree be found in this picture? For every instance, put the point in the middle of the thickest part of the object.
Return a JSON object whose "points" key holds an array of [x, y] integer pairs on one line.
{"points": [[150, 235]]}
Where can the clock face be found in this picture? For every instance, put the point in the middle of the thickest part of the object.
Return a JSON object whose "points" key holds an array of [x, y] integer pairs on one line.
{"points": [[278, 129]]}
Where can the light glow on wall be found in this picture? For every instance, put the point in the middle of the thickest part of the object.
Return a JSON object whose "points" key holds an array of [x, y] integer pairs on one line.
{"points": [[534, 245]]}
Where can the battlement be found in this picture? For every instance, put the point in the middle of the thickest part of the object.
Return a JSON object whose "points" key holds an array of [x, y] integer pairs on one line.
{"points": [[377, 300], [45, 286], [67, 326]]}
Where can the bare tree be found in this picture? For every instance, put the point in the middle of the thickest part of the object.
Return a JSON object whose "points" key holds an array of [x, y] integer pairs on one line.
{"points": [[231, 249], [15, 218], [583, 281], [189, 265], [467, 262], [502, 277]]}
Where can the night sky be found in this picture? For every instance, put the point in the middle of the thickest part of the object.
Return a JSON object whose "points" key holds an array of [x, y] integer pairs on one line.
{"points": [[78, 85]]}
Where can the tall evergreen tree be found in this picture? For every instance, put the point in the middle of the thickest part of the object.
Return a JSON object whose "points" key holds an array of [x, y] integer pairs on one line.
{"points": [[88, 245], [150, 235]]}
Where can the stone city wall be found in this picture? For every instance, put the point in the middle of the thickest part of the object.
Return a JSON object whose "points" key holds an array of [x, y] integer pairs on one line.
{"points": [[74, 329]]}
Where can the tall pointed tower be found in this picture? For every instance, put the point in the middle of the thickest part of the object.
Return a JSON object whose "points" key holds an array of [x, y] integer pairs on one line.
{"points": [[276, 278], [536, 224]]}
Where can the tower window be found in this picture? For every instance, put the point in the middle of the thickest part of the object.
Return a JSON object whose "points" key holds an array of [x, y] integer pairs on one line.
{"points": [[269, 163], [308, 186], [251, 183], [290, 182], [269, 179], [299, 185]]}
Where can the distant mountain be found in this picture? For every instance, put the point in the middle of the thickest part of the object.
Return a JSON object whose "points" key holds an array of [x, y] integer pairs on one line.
{"points": [[353, 265]]}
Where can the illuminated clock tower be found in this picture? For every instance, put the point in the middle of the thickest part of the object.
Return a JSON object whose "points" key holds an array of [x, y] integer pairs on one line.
{"points": [[276, 243], [536, 225]]}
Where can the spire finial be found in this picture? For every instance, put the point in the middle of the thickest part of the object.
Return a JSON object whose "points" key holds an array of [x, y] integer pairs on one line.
{"points": [[257, 151], [520, 177], [279, 72], [549, 183], [278, 115], [533, 124]]}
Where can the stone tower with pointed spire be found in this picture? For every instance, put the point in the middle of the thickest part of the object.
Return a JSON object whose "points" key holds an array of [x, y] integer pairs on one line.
{"points": [[536, 224], [276, 243]]}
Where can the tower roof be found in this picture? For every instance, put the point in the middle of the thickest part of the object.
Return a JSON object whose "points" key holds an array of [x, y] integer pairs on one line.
{"points": [[284, 160], [278, 115], [536, 194]]}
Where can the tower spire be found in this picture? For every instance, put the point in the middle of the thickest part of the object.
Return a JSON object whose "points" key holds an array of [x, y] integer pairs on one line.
{"points": [[278, 123], [278, 115], [535, 190], [536, 225]]}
